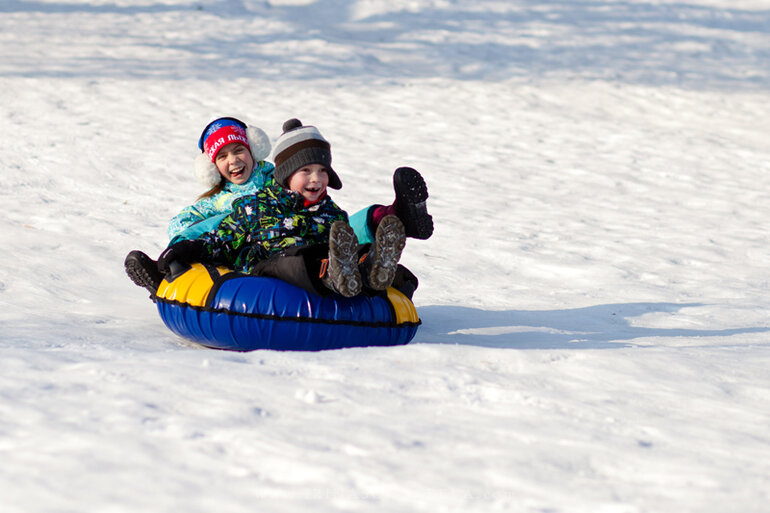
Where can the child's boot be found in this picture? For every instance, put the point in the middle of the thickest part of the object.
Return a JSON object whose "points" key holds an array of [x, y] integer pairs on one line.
{"points": [[143, 271], [379, 265], [342, 275], [410, 206]]}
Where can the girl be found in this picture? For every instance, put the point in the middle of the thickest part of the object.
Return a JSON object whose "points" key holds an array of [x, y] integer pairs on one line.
{"points": [[232, 164]]}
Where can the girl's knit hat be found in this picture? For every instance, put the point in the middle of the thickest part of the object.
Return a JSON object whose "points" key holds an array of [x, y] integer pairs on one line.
{"points": [[299, 146], [220, 133]]}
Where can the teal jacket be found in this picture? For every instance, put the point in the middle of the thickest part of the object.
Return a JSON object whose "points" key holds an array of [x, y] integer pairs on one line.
{"points": [[206, 213]]}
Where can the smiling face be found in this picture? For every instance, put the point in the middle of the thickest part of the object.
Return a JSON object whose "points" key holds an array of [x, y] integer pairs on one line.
{"points": [[310, 181], [235, 163]]}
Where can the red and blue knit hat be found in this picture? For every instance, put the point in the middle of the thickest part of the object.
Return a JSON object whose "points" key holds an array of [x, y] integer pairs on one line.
{"points": [[221, 132]]}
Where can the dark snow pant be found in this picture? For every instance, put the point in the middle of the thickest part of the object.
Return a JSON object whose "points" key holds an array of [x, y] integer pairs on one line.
{"points": [[301, 266]]}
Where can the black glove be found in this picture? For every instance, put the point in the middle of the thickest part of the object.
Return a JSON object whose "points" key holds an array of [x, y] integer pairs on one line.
{"points": [[185, 252]]}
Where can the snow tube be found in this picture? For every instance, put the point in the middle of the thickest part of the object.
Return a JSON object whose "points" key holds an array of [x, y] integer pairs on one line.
{"points": [[222, 309]]}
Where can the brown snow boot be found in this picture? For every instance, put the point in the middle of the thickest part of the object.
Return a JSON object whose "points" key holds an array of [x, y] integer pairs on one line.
{"points": [[379, 265], [341, 270]]}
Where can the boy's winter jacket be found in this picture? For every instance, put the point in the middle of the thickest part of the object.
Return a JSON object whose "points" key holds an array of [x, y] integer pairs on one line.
{"points": [[204, 215], [264, 224]]}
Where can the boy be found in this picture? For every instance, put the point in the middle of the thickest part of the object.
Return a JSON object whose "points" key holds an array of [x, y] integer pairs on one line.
{"points": [[293, 230]]}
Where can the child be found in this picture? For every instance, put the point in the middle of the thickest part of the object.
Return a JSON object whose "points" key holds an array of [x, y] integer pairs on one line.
{"points": [[232, 164], [292, 230], [225, 187]]}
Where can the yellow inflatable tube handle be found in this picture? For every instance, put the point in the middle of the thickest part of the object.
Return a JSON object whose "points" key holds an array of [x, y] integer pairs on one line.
{"points": [[190, 288], [402, 306]]}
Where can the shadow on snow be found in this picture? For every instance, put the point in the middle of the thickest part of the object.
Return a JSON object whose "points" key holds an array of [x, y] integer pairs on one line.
{"points": [[632, 42], [595, 327]]}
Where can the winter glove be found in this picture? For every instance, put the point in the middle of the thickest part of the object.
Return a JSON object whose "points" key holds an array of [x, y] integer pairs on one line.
{"points": [[185, 251]]}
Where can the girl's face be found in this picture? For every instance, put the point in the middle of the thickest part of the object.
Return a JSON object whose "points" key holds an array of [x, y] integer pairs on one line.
{"points": [[310, 181], [235, 163]]}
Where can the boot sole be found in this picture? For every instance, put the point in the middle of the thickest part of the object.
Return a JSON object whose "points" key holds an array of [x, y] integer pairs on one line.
{"points": [[343, 260], [389, 242], [411, 203], [136, 268]]}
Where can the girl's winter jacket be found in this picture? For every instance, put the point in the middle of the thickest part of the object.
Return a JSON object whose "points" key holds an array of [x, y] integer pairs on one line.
{"points": [[206, 213], [264, 224]]}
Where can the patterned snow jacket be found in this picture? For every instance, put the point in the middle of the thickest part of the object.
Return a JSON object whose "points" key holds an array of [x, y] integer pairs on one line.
{"points": [[204, 215], [268, 222]]}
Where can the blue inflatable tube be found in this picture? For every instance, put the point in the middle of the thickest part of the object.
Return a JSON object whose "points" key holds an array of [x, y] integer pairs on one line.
{"points": [[221, 309]]}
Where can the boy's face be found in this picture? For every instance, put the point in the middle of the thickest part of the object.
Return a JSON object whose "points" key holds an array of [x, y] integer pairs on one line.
{"points": [[310, 181], [235, 163]]}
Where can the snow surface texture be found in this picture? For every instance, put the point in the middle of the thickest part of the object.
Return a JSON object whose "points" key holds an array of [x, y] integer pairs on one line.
{"points": [[595, 297]]}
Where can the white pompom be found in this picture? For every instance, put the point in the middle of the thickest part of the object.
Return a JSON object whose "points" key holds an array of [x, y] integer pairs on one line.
{"points": [[205, 171], [259, 143]]}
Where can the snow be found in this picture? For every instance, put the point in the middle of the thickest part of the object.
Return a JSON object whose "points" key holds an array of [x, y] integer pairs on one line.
{"points": [[594, 300]]}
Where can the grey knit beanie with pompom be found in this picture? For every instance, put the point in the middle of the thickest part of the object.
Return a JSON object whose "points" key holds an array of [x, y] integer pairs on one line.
{"points": [[299, 146]]}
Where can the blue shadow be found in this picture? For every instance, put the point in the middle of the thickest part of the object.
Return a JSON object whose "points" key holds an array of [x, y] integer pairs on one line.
{"points": [[649, 43], [594, 327]]}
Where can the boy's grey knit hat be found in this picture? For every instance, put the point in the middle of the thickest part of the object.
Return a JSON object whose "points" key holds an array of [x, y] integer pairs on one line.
{"points": [[299, 146]]}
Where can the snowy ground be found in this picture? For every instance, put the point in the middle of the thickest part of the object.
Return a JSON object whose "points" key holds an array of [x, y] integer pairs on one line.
{"points": [[594, 300]]}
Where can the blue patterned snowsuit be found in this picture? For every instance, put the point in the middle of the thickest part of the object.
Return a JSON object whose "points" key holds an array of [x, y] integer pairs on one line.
{"points": [[271, 222]]}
